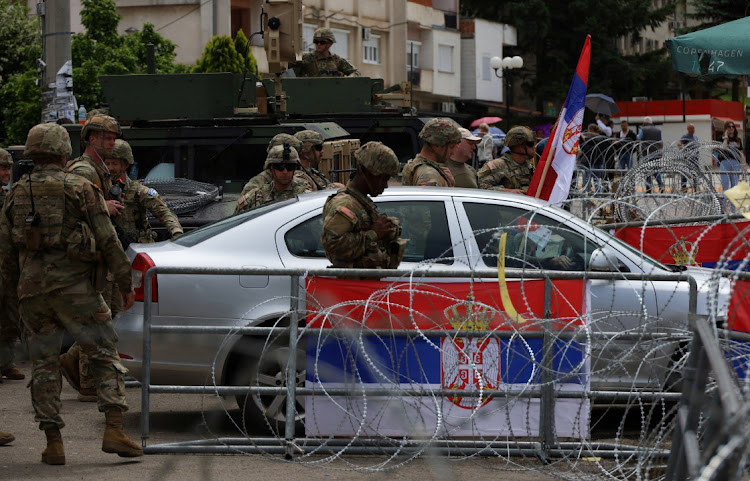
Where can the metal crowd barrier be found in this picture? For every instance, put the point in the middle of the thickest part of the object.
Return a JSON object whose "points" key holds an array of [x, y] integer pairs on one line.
{"points": [[290, 445]]}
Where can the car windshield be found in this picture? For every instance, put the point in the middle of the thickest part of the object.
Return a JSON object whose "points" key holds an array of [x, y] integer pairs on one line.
{"points": [[208, 231]]}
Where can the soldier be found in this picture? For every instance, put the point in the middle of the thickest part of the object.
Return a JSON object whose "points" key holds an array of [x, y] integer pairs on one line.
{"points": [[136, 199], [441, 137], [309, 157], [282, 163], [265, 176], [463, 173], [321, 62], [9, 331], [98, 135], [511, 172], [54, 226], [355, 234]]}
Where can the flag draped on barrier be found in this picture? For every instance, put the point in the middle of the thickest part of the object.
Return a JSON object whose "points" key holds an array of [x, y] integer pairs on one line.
{"points": [[345, 352], [553, 184]]}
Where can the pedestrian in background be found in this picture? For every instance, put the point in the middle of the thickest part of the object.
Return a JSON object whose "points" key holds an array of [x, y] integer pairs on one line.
{"points": [[53, 227], [651, 145], [486, 148], [731, 157]]}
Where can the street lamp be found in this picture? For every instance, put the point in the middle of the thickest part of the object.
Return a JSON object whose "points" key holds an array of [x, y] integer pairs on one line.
{"points": [[506, 64]]}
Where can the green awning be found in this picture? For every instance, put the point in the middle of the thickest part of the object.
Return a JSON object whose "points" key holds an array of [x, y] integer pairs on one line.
{"points": [[720, 50]]}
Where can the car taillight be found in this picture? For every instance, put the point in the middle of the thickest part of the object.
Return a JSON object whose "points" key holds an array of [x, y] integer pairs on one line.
{"points": [[141, 264]]}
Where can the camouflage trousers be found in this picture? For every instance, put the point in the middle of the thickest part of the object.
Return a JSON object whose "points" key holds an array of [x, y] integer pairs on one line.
{"points": [[81, 311], [113, 298], [9, 333]]}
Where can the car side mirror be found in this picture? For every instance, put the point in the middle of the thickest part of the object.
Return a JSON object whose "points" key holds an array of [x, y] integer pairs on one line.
{"points": [[604, 259]]}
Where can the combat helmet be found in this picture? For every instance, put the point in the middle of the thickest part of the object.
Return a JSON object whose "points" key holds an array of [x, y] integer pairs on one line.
{"points": [[122, 151], [440, 131], [281, 154], [281, 139], [47, 139], [308, 139], [378, 159], [518, 135], [101, 122], [6, 160], [324, 33]]}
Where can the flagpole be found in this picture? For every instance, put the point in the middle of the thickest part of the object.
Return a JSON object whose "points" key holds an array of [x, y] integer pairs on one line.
{"points": [[550, 155]]}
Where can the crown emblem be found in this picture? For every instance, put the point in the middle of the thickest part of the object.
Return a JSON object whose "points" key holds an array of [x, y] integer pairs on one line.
{"points": [[469, 315], [683, 252]]}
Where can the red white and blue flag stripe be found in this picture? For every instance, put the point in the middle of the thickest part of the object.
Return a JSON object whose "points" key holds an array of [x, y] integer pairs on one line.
{"points": [[553, 184]]}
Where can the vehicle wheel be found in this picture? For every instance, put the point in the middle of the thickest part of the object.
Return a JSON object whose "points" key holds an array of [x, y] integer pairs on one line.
{"points": [[263, 412]]}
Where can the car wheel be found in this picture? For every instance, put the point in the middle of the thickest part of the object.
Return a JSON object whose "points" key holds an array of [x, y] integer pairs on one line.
{"points": [[268, 370]]}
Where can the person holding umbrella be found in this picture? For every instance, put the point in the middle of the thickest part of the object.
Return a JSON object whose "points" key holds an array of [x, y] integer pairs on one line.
{"points": [[486, 147]]}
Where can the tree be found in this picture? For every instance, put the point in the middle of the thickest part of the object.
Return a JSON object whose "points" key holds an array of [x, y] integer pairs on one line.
{"points": [[222, 55], [552, 33], [715, 12], [100, 50], [20, 46]]}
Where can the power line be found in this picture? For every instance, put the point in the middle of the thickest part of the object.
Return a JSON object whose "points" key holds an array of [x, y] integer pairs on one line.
{"points": [[183, 15]]}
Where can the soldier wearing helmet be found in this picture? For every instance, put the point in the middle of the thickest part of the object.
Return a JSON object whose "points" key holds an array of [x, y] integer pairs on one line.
{"points": [[355, 234], [282, 163], [265, 176], [54, 228], [511, 172], [137, 200], [9, 320], [309, 156], [98, 135], [441, 137], [321, 62]]}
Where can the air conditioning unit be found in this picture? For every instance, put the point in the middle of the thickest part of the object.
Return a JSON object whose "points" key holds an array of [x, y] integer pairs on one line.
{"points": [[366, 31], [675, 24], [448, 107], [640, 99]]}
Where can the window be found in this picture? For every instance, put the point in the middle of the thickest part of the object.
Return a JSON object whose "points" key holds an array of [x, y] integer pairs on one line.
{"points": [[533, 240], [486, 67], [412, 54], [424, 226], [371, 49], [341, 47], [307, 38], [445, 58]]}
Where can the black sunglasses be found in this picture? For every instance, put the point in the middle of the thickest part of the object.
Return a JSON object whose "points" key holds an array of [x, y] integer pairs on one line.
{"points": [[322, 42], [280, 167], [318, 147], [530, 144]]}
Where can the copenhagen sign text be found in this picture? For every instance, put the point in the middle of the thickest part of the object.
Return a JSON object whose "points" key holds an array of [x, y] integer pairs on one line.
{"points": [[713, 53]]}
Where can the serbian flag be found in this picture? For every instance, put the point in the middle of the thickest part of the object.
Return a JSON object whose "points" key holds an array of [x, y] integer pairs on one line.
{"points": [[554, 184]]}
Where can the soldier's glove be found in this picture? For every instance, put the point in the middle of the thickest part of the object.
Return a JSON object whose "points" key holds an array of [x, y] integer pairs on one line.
{"points": [[396, 249]]}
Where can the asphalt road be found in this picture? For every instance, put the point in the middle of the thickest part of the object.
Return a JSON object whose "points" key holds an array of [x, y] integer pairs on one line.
{"points": [[184, 417]]}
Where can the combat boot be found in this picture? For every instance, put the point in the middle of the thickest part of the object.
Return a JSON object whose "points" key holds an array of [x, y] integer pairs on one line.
{"points": [[6, 438], [55, 451], [115, 440], [69, 369], [13, 373]]}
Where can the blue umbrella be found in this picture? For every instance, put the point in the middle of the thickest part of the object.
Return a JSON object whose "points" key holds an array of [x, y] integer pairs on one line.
{"points": [[497, 135]]}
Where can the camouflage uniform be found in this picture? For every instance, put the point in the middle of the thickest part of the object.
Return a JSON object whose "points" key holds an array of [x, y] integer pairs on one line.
{"points": [[9, 321], [505, 173], [423, 171], [98, 174], [137, 199], [265, 176], [438, 132], [50, 272], [265, 193], [315, 65], [315, 180], [349, 215]]}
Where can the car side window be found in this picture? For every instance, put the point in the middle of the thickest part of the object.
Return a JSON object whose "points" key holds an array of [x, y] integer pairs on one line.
{"points": [[534, 240], [424, 225], [303, 240]]}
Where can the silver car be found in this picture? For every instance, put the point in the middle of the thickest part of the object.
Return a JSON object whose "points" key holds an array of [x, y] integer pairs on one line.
{"points": [[457, 228]]}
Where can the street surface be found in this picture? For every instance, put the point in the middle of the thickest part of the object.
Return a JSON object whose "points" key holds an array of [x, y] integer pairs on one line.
{"points": [[179, 417]]}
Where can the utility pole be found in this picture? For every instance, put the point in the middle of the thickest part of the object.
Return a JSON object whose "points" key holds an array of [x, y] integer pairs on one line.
{"points": [[56, 64]]}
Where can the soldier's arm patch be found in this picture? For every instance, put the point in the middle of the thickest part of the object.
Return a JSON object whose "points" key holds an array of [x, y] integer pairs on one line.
{"points": [[152, 192], [347, 212]]}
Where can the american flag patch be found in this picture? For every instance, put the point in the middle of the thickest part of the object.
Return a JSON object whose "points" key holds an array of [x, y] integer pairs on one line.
{"points": [[347, 212]]}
